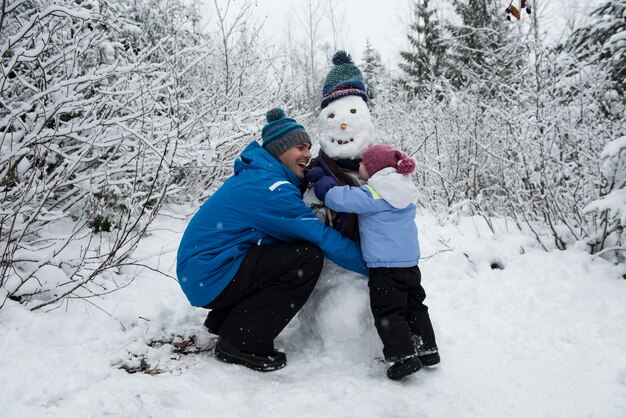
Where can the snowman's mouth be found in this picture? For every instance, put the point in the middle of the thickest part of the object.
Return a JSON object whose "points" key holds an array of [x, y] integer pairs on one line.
{"points": [[342, 141]]}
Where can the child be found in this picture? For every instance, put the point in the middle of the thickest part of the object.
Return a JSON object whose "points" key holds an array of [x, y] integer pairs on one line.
{"points": [[391, 250]]}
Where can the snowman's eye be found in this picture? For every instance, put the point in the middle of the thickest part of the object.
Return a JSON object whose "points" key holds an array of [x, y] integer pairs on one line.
{"points": [[331, 115], [352, 110]]}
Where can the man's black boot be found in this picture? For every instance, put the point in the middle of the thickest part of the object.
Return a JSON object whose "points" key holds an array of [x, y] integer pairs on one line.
{"points": [[228, 353]]}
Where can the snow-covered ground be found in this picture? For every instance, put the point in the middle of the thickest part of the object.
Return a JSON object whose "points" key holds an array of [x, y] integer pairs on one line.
{"points": [[543, 337]]}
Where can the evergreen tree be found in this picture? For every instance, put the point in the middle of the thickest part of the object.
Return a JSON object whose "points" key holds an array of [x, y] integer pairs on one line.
{"points": [[372, 70], [425, 61], [602, 41], [484, 47]]}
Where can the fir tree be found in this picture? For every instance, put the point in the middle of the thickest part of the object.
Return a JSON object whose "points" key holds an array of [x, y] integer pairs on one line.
{"points": [[483, 48], [603, 41], [372, 70], [426, 59]]}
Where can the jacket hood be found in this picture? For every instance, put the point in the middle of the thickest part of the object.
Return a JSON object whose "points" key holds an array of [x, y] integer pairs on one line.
{"points": [[255, 157], [397, 189]]}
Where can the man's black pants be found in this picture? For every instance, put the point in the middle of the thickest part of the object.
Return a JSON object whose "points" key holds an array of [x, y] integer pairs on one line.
{"points": [[271, 285], [396, 299]]}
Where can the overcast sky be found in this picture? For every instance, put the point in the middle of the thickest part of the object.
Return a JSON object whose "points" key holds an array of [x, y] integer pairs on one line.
{"points": [[384, 22], [377, 20]]}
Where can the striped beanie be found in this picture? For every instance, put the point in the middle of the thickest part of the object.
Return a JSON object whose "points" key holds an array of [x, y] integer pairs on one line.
{"points": [[282, 133], [344, 79]]}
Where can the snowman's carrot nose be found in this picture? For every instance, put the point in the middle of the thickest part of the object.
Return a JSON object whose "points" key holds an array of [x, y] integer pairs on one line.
{"points": [[344, 126]]}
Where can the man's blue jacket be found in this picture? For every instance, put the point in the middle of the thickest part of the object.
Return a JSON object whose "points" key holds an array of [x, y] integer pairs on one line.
{"points": [[259, 205]]}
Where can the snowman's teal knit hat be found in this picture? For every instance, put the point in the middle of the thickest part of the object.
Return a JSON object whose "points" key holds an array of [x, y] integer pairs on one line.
{"points": [[282, 133], [344, 79]]}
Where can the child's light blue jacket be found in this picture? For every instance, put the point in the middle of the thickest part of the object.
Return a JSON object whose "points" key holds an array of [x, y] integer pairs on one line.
{"points": [[386, 212]]}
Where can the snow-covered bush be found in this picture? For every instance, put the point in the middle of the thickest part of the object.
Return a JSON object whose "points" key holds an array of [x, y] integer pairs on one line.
{"points": [[109, 110], [535, 158], [611, 207], [526, 144], [82, 152], [88, 130]]}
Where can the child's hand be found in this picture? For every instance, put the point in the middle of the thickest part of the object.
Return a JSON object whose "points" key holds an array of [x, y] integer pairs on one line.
{"points": [[323, 185], [315, 174]]}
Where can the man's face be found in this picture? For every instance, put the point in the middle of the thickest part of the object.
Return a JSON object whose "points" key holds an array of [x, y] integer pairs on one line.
{"points": [[296, 158]]}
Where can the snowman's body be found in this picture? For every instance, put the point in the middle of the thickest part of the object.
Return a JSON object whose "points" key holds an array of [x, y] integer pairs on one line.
{"points": [[337, 313], [345, 130]]}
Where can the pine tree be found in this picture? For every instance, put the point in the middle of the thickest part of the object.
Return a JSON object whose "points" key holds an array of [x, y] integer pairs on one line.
{"points": [[484, 48], [425, 61], [602, 41], [372, 70]]}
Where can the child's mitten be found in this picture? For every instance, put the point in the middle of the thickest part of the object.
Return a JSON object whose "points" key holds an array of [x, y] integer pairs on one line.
{"points": [[323, 185]]}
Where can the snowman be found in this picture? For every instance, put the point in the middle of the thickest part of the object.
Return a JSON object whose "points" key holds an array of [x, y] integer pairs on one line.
{"points": [[345, 131], [337, 317]]}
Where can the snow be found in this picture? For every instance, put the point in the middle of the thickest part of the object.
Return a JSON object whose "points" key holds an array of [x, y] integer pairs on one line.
{"points": [[617, 42], [544, 336], [614, 148], [615, 202], [613, 168]]}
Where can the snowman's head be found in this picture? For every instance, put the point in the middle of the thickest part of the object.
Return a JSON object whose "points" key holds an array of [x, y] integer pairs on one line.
{"points": [[345, 128]]}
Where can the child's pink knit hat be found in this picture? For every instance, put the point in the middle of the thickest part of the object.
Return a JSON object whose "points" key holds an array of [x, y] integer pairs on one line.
{"points": [[377, 157]]}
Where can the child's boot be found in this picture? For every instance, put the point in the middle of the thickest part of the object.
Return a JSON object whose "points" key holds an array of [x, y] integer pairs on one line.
{"points": [[427, 353], [403, 368], [430, 359]]}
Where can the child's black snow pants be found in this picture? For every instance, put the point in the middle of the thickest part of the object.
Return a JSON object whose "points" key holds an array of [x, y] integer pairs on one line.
{"points": [[396, 299], [271, 285]]}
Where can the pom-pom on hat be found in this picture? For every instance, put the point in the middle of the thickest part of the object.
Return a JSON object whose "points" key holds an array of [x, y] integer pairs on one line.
{"points": [[344, 79], [281, 132], [377, 157]]}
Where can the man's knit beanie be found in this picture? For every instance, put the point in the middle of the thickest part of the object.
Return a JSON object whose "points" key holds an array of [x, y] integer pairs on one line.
{"points": [[344, 79], [282, 133], [377, 157]]}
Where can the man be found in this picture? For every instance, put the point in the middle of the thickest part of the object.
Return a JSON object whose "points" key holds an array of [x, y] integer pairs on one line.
{"points": [[254, 251]]}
